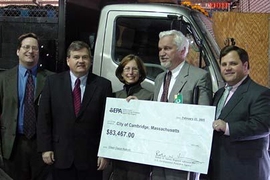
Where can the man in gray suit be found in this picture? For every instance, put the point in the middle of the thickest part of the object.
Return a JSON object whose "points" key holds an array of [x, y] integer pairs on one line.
{"points": [[21, 160], [192, 83]]}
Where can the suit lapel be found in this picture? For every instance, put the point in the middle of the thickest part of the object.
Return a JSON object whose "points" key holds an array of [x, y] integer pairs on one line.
{"points": [[66, 91], [41, 77], [236, 98], [181, 80], [218, 96], [158, 84], [12, 83], [90, 88]]}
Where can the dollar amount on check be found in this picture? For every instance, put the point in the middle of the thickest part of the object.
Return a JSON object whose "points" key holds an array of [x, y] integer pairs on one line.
{"points": [[112, 132], [176, 136]]}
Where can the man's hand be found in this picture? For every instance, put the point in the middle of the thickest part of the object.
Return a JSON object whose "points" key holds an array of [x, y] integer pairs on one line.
{"points": [[219, 125], [48, 157], [102, 163]]}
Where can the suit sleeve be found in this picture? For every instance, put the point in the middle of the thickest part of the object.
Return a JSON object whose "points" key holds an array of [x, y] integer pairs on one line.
{"points": [[1, 94], [157, 87], [44, 124], [109, 90], [202, 94], [256, 122], [108, 93]]}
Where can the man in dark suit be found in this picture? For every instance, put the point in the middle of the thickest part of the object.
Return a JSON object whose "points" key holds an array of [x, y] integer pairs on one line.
{"points": [[68, 135], [241, 131], [191, 83], [21, 160]]}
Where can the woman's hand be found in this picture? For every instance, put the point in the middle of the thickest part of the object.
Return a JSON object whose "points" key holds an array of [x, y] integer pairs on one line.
{"points": [[131, 97]]}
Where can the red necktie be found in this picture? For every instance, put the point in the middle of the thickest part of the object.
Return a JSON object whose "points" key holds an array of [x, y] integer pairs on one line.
{"points": [[29, 121], [77, 96], [167, 80]]}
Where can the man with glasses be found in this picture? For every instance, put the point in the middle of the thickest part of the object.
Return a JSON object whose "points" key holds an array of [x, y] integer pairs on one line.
{"points": [[20, 89]]}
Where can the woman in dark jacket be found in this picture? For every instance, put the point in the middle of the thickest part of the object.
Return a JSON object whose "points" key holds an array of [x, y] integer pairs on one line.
{"points": [[131, 71]]}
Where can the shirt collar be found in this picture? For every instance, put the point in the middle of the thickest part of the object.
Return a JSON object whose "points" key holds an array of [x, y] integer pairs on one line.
{"points": [[234, 87], [73, 78], [176, 70], [22, 70]]}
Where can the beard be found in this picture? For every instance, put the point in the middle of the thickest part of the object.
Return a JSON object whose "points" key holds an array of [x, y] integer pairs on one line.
{"points": [[166, 65]]}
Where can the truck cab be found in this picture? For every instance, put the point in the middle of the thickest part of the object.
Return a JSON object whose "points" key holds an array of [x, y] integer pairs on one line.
{"points": [[134, 28]]}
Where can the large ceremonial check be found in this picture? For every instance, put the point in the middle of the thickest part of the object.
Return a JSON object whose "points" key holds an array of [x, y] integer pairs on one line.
{"points": [[176, 136]]}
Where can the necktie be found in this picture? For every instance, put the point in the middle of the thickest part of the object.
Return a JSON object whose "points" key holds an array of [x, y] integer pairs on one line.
{"points": [[164, 97], [77, 96], [29, 123], [222, 100]]}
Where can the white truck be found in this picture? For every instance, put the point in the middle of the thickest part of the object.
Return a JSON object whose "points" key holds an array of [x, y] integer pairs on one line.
{"points": [[134, 28]]}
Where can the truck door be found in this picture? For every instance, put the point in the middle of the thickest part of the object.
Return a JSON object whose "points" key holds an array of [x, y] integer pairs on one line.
{"points": [[122, 32]]}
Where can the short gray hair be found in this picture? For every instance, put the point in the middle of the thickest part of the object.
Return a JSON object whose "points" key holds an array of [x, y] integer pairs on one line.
{"points": [[179, 39]]}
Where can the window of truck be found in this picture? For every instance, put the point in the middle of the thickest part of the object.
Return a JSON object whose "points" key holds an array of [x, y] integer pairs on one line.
{"points": [[206, 23], [140, 36]]}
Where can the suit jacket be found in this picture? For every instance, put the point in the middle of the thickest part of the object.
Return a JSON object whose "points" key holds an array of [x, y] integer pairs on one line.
{"points": [[195, 86], [243, 154], [73, 139], [193, 83], [9, 105]]}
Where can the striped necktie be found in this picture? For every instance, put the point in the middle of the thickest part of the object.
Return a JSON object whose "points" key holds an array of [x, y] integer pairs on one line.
{"points": [[77, 96], [222, 100], [167, 80]]}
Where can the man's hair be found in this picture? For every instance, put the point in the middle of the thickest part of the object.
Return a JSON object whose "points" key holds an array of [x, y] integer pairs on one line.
{"points": [[142, 70], [24, 36], [243, 55], [76, 46], [179, 39]]}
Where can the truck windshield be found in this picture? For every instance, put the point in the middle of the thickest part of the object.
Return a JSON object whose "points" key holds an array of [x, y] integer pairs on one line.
{"points": [[140, 36], [207, 29]]}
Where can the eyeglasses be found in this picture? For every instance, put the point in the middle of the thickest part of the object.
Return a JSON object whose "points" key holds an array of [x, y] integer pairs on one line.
{"points": [[28, 47], [133, 69]]}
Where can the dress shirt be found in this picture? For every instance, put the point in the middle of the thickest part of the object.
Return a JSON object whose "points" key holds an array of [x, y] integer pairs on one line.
{"points": [[175, 73], [83, 80], [22, 79]]}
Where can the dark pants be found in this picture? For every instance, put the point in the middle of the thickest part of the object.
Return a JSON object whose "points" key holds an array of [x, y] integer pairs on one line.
{"points": [[73, 173], [130, 171], [25, 162], [160, 173]]}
